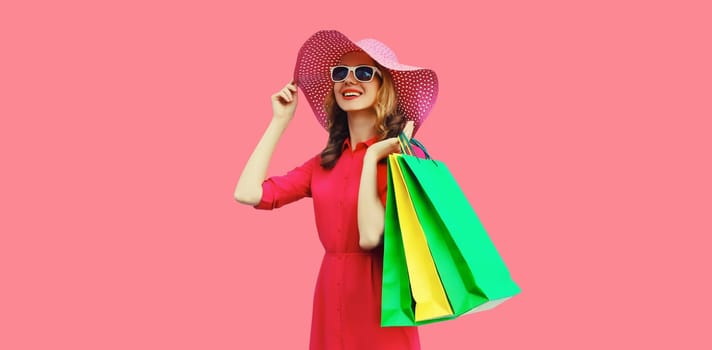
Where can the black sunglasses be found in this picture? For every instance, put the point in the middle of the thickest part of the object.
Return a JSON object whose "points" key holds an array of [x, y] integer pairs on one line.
{"points": [[362, 73]]}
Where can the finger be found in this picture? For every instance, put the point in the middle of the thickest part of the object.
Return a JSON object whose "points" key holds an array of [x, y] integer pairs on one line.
{"points": [[394, 145], [285, 96], [290, 94], [408, 130], [292, 87]]}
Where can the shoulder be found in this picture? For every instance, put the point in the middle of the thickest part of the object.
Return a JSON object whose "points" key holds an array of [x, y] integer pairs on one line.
{"points": [[313, 161]]}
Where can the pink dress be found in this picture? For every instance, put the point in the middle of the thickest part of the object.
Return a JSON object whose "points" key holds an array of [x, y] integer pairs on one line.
{"points": [[347, 297]]}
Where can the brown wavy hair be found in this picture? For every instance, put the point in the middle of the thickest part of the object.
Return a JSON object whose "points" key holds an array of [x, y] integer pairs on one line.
{"points": [[389, 122]]}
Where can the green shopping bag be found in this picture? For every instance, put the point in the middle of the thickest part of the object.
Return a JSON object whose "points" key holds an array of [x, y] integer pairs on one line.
{"points": [[471, 270]]}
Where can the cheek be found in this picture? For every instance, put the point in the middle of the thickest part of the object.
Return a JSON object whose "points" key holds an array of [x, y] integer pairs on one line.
{"points": [[343, 104], [337, 96], [373, 90], [373, 95]]}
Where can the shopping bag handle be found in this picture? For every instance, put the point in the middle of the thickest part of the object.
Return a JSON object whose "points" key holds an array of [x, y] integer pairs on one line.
{"points": [[406, 148]]}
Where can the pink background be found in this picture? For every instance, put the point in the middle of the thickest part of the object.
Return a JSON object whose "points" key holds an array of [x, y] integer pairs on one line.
{"points": [[579, 131]]}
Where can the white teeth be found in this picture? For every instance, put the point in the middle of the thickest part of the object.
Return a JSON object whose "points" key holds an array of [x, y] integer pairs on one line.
{"points": [[348, 94]]}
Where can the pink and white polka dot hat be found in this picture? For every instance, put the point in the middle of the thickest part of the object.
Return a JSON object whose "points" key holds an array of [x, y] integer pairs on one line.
{"points": [[417, 88]]}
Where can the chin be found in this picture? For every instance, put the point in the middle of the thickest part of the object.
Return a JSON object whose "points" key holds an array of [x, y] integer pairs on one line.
{"points": [[348, 106]]}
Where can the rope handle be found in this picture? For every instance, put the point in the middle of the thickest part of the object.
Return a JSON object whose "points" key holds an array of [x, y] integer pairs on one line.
{"points": [[406, 148]]}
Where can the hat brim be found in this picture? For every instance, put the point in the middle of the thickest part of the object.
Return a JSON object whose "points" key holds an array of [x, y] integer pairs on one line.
{"points": [[416, 87]]}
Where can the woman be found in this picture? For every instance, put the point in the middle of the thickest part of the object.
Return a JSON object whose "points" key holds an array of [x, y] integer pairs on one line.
{"points": [[364, 98]]}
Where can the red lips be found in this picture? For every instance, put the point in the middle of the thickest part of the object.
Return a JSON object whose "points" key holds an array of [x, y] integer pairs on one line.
{"points": [[347, 90]]}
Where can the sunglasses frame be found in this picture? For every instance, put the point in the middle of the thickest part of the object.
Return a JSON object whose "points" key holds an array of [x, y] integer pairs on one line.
{"points": [[353, 69]]}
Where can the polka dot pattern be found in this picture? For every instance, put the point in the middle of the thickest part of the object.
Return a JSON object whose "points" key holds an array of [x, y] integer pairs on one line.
{"points": [[417, 88]]}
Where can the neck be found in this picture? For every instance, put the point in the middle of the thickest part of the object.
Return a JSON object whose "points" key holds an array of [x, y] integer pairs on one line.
{"points": [[362, 126]]}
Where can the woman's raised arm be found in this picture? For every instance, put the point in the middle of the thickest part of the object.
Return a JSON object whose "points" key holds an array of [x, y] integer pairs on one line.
{"points": [[249, 186]]}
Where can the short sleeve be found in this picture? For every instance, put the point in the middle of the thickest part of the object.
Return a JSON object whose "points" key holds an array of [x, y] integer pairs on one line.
{"points": [[296, 184]]}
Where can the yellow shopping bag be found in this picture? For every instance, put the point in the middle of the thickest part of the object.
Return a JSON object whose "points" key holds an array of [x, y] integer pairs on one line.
{"points": [[428, 292]]}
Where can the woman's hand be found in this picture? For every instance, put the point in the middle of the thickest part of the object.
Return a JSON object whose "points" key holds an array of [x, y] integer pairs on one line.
{"points": [[249, 186], [383, 148], [284, 102]]}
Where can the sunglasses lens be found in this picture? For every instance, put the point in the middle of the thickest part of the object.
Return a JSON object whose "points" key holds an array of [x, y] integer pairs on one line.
{"points": [[364, 73], [339, 73]]}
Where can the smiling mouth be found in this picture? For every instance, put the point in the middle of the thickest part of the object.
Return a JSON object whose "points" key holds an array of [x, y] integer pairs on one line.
{"points": [[351, 94]]}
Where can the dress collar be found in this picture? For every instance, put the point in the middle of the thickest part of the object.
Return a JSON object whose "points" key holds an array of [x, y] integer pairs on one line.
{"points": [[366, 144]]}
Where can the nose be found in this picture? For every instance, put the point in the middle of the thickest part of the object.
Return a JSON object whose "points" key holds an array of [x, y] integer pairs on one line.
{"points": [[350, 78]]}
